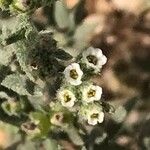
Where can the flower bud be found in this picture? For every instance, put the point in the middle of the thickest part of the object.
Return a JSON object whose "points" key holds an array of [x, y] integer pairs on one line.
{"points": [[12, 107], [31, 129], [57, 119], [61, 119]]}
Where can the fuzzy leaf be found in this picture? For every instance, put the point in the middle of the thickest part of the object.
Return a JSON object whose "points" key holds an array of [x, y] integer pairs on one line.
{"points": [[17, 83], [82, 34], [22, 54], [120, 114], [24, 30], [36, 101], [4, 95], [74, 135], [6, 55], [61, 15], [147, 142], [61, 54], [101, 138], [30, 145], [84, 148], [50, 144]]}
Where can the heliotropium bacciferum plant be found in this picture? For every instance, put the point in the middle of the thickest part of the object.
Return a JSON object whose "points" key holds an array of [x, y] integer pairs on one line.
{"points": [[43, 88]]}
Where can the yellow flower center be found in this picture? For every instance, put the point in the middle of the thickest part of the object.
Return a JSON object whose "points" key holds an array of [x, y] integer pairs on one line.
{"points": [[92, 59], [91, 93], [94, 116], [73, 74], [67, 97]]}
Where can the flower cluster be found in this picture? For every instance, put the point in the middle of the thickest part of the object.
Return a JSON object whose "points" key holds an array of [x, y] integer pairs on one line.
{"points": [[77, 97], [77, 93]]}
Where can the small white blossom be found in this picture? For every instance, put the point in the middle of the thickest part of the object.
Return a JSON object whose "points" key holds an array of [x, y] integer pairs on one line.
{"points": [[92, 113], [94, 58], [95, 116], [66, 97], [91, 93], [73, 74]]}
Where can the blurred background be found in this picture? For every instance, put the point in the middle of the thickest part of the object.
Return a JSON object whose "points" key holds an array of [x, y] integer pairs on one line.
{"points": [[121, 28]]}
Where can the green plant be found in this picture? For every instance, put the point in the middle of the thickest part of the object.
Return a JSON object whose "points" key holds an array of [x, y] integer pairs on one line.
{"points": [[44, 89]]}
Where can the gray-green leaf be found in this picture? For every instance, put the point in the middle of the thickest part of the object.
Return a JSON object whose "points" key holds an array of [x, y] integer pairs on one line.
{"points": [[120, 114], [61, 54], [22, 54], [74, 135], [61, 15], [17, 83], [6, 55], [4, 95]]}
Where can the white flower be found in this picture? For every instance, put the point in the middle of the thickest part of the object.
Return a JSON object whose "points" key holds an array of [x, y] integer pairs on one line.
{"points": [[66, 97], [94, 58], [94, 117], [91, 93], [92, 113], [73, 74]]}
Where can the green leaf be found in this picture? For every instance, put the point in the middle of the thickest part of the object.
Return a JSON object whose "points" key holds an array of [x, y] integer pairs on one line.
{"points": [[50, 144], [5, 32], [37, 98], [61, 54], [101, 138], [17, 83], [147, 142], [36, 101], [120, 114], [61, 15], [6, 55], [83, 33], [4, 71], [27, 145], [84, 148], [4, 95], [74, 135], [22, 54], [24, 30], [14, 37]]}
